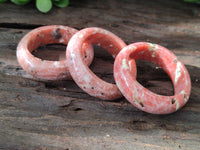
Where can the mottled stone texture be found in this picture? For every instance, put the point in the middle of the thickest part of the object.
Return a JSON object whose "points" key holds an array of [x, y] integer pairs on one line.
{"points": [[58, 115], [47, 69], [140, 96]]}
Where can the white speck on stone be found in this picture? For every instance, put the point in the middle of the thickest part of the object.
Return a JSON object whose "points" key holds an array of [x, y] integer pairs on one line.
{"points": [[113, 55], [56, 64], [110, 45], [176, 60], [64, 76], [184, 95], [106, 32], [157, 67], [177, 72], [177, 105], [182, 92], [81, 36], [95, 31], [153, 47], [42, 35], [61, 40], [86, 79], [99, 44], [61, 27], [124, 64], [142, 95], [73, 55], [133, 48], [187, 97], [153, 54]]}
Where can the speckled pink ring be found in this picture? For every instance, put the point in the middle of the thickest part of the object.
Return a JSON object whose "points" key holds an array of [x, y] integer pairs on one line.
{"points": [[43, 69], [80, 72], [141, 97]]}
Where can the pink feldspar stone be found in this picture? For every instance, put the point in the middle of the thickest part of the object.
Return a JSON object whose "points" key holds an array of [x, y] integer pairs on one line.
{"points": [[43, 69], [141, 97], [80, 72]]}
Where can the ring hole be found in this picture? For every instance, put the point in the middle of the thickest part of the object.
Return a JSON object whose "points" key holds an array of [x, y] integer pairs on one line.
{"points": [[154, 78], [102, 65], [51, 52]]}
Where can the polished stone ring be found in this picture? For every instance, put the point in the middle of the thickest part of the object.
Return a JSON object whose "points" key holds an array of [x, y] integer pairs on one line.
{"points": [[43, 69], [143, 98]]}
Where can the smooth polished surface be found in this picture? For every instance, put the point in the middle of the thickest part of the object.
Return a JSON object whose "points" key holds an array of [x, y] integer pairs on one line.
{"points": [[44, 69], [143, 98], [80, 72]]}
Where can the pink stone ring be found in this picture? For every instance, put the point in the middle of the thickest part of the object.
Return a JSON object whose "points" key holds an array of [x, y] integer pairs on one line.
{"points": [[43, 69], [141, 97], [80, 72]]}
